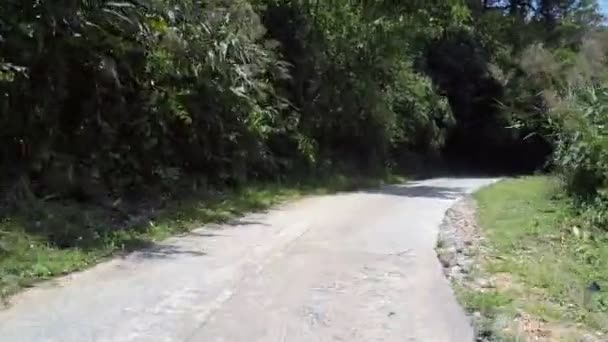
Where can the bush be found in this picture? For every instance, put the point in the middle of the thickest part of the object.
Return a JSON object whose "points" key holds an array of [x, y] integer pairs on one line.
{"points": [[581, 155]]}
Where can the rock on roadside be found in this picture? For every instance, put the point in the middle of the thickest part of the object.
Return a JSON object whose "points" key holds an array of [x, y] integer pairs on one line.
{"points": [[459, 248], [459, 240]]}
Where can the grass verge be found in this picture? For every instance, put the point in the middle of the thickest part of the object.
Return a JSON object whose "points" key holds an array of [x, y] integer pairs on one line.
{"points": [[48, 239], [550, 275]]}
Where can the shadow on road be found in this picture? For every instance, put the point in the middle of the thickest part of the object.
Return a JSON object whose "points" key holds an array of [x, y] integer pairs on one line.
{"points": [[238, 222], [158, 251], [147, 250], [420, 191], [412, 190]]}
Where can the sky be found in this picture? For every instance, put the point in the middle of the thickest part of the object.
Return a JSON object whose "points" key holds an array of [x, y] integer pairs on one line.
{"points": [[604, 6]]}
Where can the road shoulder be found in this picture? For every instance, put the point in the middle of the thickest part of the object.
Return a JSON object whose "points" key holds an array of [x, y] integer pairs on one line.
{"points": [[495, 268]]}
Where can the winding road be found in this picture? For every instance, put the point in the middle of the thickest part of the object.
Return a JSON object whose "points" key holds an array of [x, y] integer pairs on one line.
{"points": [[357, 266]]}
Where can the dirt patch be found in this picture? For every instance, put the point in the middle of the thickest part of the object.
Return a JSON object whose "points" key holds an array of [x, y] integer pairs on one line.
{"points": [[462, 251], [528, 328], [533, 329]]}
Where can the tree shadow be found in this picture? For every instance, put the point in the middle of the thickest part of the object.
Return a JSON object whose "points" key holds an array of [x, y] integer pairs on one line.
{"points": [[245, 222], [420, 191], [168, 251], [202, 234]]}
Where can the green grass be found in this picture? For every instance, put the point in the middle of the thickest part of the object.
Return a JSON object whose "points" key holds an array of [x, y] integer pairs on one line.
{"points": [[533, 235], [48, 239], [488, 303]]}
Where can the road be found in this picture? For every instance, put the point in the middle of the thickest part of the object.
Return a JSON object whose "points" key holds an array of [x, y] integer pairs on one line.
{"points": [[356, 266]]}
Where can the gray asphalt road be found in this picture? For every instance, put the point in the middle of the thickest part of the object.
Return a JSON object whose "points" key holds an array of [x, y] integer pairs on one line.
{"points": [[349, 267]]}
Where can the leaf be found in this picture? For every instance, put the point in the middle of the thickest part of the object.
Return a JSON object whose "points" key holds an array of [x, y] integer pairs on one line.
{"points": [[120, 16], [117, 202], [122, 4]]}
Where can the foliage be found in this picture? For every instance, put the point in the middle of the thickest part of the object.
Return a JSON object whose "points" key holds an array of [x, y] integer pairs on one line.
{"points": [[101, 97], [503, 70], [114, 95], [353, 78], [581, 156]]}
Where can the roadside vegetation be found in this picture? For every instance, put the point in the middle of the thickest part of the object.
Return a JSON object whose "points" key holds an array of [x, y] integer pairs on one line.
{"points": [[27, 256], [546, 267]]}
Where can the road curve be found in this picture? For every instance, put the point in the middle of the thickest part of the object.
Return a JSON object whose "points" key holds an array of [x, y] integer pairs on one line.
{"points": [[357, 266]]}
